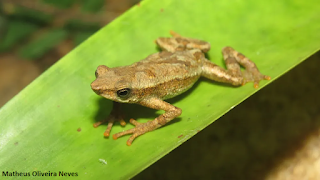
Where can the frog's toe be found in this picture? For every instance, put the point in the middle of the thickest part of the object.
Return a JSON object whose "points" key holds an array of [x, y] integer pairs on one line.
{"points": [[134, 122], [121, 120], [106, 133], [266, 77], [254, 76], [110, 124], [130, 140], [130, 131], [256, 85], [140, 128], [119, 134], [110, 119], [97, 124], [259, 78]]}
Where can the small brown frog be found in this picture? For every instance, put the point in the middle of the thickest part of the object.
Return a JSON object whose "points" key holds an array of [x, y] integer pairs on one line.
{"points": [[164, 75]]}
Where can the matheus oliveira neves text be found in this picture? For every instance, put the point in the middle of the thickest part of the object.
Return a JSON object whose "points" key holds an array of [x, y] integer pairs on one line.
{"points": [[39, 173]]}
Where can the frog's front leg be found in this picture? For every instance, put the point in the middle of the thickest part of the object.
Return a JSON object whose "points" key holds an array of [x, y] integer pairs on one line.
{"points": [[155, 103], [233, 74], [115, 115]]}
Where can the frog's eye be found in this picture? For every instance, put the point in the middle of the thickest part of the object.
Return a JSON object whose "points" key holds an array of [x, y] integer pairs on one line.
{"points": [[124, 93], [96, 73]]}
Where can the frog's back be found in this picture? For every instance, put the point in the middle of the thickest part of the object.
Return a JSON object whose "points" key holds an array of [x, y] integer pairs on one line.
{"points": [[167, 74]]}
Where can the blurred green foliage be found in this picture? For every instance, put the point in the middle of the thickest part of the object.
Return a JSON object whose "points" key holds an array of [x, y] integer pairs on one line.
{"points": [[3, 27], [15, 31], [61, 3], [92, 6], [34, 31], [47, 41]]}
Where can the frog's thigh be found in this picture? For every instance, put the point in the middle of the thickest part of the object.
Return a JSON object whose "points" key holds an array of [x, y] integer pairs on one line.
{"points": [[214, 72], [239, 58]]}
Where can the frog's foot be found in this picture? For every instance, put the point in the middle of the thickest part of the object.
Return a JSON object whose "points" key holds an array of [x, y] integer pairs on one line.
{"points": [[140, 129], [110, 119], [233, 58], [253, 75]]}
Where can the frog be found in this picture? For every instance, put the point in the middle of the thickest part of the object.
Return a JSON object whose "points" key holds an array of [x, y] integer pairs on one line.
{"points": [[164, 75]]}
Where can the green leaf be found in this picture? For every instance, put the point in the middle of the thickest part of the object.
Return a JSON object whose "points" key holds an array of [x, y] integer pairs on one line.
{"points": [[48, 126]]}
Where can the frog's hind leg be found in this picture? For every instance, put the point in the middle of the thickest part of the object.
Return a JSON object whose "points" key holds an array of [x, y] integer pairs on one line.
{"points": [[233, 74], [180, 43], [252, 73]]}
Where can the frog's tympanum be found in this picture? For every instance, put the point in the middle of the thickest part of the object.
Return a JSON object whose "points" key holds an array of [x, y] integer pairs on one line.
{"points": [[164, 75]]}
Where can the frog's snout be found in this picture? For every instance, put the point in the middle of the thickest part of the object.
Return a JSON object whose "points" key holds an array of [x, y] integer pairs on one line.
{"points": [[96, 88]]}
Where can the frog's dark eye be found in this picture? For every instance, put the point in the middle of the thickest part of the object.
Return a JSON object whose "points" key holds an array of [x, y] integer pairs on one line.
{"points": [[124, 93], [96, 73]]}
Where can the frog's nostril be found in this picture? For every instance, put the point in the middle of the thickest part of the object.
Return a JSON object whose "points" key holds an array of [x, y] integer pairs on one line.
{"points": [[97, 90], [95, 87]]}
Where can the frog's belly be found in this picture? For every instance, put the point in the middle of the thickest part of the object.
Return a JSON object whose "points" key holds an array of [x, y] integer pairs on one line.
{"points": [[175, 87]]}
